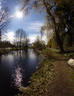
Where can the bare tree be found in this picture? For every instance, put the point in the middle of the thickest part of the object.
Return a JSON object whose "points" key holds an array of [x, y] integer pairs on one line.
{"points": [[3, 20], [20, 37]]}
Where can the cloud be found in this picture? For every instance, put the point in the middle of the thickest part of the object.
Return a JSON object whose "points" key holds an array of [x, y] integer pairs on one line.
{"points": [[9, 36], [0, 5], [33, 38], [35, 26]]}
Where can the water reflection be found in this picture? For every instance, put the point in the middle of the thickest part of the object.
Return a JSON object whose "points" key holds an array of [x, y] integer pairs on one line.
{"points": [[18, 77], [17, 68]]}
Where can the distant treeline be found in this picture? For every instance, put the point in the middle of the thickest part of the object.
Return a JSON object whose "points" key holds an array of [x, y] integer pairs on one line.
{"points": [[6, 44]]}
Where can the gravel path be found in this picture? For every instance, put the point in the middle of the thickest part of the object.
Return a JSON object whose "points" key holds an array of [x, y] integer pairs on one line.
{"points": [[62, 85]]}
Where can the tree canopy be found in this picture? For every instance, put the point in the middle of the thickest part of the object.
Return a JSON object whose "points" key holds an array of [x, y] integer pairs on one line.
{"points": [[59, 14]]}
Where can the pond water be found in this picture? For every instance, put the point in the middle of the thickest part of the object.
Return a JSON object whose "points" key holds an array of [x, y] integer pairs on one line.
{"points": [[16, 68]]}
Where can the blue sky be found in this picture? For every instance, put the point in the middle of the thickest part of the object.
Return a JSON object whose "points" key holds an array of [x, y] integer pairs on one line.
{"points": [[31, 23]]}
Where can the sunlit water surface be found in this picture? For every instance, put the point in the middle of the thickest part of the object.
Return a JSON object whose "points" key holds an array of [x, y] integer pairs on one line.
{"points": [[16, 68]]}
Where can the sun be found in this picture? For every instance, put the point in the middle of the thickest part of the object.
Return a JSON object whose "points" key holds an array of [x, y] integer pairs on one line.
{"points": [[19, 14]]}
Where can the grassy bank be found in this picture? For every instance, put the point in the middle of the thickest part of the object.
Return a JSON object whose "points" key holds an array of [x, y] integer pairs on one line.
{"points": [[45, 75], [4, 50], [40, 80], [7, 50]]}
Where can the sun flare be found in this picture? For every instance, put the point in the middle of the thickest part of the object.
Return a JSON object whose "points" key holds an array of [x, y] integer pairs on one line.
{"points": [[19, 14]]}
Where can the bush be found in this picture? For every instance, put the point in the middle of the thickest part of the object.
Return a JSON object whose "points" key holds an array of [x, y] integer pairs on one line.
{"points": [[39, 45]]}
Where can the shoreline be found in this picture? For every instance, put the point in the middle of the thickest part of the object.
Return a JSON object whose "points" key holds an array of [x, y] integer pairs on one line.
{"points": [[40, 80], [45, 76], [7, 50]]}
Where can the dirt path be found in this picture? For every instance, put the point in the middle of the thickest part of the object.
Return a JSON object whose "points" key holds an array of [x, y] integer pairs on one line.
{"points": [[62, 85]]}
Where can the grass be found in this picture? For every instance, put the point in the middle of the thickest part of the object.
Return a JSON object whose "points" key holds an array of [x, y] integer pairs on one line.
{"points": [[52, 53], [40, 80], [55, 53]]}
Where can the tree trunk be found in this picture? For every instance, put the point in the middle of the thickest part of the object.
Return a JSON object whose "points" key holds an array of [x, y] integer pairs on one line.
{"points": [[0, 36], [58, 39], [70, 34], [59, 42]]}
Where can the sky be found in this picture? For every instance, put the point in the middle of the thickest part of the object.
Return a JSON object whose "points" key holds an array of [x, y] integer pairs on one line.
{"points": [[30, 23]]}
